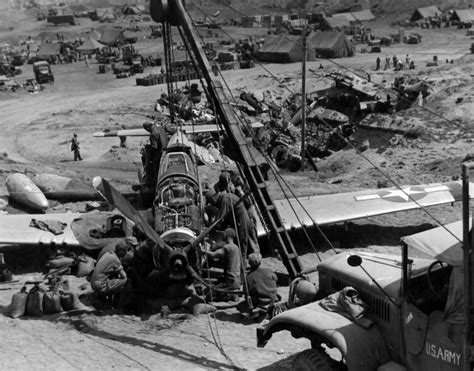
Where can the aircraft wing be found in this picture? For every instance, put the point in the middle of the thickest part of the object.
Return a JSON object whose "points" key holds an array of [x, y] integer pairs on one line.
{"points": [[15, 229], [188, 129], [341, 207]]}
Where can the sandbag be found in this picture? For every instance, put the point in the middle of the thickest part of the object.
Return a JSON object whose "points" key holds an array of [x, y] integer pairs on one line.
{"points": [[52, 302], [18, 304], [85, 265], [34, 304], [60, 262], [70, 301], [203, 308], [67, 301]]}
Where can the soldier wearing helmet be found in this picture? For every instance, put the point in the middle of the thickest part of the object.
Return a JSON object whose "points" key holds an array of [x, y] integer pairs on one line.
{"points": [[229, 255]]}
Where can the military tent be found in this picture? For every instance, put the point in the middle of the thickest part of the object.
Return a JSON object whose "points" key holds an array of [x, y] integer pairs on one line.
{"points": [[90, 46], [105, 14], [112, 37], [49, 49], [336, 22], [463, 15], [79, 10], [131, 10], [348, 16], [284, 49], [92, 34], [422, 13], [330, 44], [360, 16], [363, 15]]}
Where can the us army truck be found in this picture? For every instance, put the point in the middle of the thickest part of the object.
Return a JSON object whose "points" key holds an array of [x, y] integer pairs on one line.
{"points": [[419, 306]]}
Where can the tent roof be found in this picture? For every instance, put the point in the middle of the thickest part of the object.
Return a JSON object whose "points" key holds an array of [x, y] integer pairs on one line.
{"points": [[48, 49], [429, 11], [130, 9], [439, 243], [348, 16], [464, 15], [111, 36], [361, 16], [90, 45], [324, 40], [92, 34], [280, 44], [337, 21]]}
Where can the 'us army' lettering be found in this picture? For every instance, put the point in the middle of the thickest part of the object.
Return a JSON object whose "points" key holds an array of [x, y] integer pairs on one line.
{"points": [[444, 354]]}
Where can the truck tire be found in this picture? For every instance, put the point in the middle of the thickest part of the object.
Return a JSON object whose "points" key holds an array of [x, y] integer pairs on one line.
{"points": [[315, 359]]}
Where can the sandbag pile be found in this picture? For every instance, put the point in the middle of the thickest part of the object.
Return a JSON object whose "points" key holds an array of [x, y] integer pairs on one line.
{"points": [[40, 301], [80, 266]]}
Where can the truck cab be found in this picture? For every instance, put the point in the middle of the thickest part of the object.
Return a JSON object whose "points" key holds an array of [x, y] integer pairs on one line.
{"points": [[415, 303], [43, 73]]}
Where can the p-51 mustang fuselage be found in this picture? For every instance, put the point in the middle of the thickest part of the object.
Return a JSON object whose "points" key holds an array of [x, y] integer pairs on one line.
{"points": [[177, 208]]}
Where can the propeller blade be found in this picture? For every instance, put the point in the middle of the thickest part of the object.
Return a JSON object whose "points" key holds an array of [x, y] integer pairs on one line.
{"points": [[113, 197]]}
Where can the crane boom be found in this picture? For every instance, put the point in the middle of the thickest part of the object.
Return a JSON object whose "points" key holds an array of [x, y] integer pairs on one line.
{"points": [[251, 160]]}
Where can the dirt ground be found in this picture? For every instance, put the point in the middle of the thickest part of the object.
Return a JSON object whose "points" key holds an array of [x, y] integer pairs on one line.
{"points": [[35, 133]]}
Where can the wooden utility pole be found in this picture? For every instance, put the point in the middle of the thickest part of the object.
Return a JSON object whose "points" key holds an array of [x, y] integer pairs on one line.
{"points": [[303, 104]]}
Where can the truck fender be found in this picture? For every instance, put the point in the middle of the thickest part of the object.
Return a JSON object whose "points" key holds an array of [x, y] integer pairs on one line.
{"points": [[362, 348]]}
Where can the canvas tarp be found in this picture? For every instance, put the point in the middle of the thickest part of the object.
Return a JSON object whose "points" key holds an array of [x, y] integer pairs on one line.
{"points": [[442, 243], [49, 49], [463, 15], [90, 46], [422, 13], [330, 44], [112, 37], [284, 49]]}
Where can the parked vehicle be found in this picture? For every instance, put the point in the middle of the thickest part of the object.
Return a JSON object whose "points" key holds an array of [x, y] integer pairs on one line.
{"points": [[43, 73]]}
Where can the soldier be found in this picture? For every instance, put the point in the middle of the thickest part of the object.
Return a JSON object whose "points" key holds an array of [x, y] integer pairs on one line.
{"points": [[75, 148], [387, 62], [262, 282], [377, 64], [109, 277], [227, 207], [229, 255], [158, 143], [123, 138]]}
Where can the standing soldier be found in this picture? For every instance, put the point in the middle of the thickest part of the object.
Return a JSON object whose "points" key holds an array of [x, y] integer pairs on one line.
{"points": [[158, 143], [123, 138], [387, 63], [75, 148], [377, 67]]}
